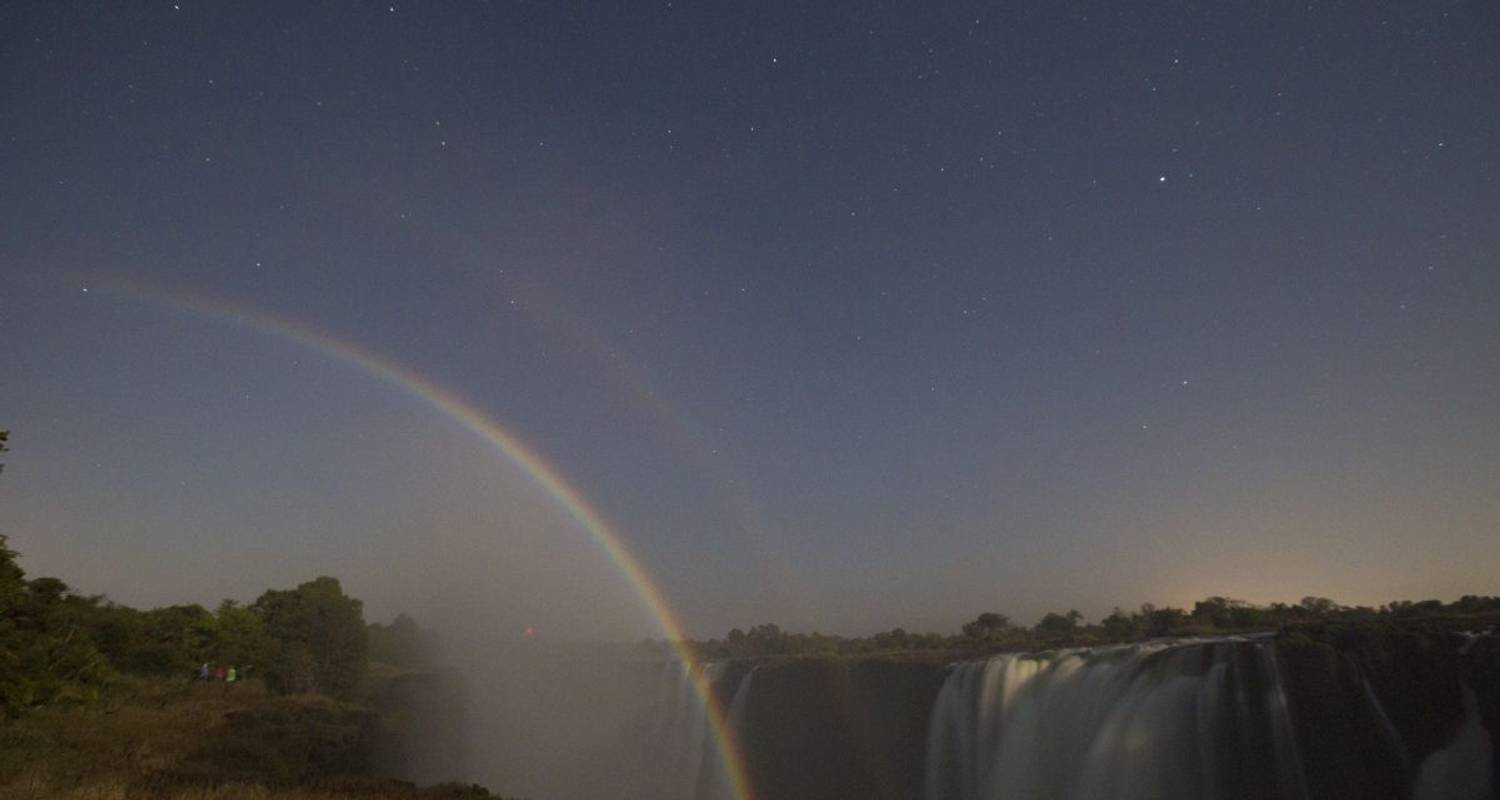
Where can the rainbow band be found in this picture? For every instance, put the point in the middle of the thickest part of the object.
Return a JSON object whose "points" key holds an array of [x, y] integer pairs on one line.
{"points": [[509, 445]]}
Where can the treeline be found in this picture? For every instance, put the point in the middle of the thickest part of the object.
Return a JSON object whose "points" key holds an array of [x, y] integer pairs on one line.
{"points": [[994, 632], [61, 647]]}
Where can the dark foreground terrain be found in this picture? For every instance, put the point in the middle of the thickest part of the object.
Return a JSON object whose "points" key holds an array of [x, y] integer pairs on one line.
{"points": [[155, 738]]}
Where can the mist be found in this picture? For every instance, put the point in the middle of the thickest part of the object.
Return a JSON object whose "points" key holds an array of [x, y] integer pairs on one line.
{"points": [[774, 401]]}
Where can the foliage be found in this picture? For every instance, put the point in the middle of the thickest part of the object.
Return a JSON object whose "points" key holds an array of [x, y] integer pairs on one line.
{"points": [[993, 631], [988, 625], [240, 636], [46, 655], [1059, 627], [58, 646], [402, 643], [319, 638]]}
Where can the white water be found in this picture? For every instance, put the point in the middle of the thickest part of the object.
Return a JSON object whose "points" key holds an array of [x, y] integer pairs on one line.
{"points": [[719, 786], [682, 761], [1462, 769], [1182, 721]]}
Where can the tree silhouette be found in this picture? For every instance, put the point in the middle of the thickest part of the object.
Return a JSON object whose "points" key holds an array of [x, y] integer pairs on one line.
{"points": [[988, 625], [1059, 626], [320, 638]]}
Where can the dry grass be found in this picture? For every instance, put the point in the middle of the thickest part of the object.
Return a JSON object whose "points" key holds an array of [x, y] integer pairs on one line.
{"points": [[185, 740]]}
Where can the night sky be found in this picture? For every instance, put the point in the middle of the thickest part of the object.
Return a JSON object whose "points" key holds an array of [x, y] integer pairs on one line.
{"points": [[848, 316]]}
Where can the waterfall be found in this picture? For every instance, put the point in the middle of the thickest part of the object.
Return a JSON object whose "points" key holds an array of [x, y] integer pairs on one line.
{"points": [[1393, 741], [682, 760], [1175, 721], [1462, 769], [737, 705], [719, 786]]}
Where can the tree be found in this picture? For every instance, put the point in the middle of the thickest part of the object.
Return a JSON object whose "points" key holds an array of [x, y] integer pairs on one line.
{"points": [[894, 639], [1059, 626], [1118, 626], [169, 640], [988, 625], [320, 641], [767, 639], [1162, 621], [46, 653], [12, 638], [239, 636], [1225, 612], [1319, 606], [401, 644]]}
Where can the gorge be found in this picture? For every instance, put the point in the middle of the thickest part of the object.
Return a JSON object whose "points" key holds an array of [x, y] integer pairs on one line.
{"points": [[1384, 711]]}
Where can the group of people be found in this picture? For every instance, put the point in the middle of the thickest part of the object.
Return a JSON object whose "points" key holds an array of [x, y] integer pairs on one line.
{"points": [[222, 673]]}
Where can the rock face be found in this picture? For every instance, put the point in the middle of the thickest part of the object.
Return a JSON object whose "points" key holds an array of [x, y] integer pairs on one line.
{"points": [[826, 728], [423, 721], [1480, 668], [1372, 702]]}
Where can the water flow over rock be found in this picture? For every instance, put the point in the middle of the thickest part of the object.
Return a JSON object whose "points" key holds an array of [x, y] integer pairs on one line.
{"points": [[1173, 721], [1464, 768], [681, 757]]}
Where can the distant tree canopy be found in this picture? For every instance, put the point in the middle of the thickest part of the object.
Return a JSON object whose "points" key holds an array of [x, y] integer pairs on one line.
{"points": [[988, 625], [994, 632], [57, 646], [1059, 626]]}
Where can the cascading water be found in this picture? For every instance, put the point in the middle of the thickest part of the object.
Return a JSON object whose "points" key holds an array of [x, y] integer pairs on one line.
{"points": [[681, 759], [1172, 721], [1462, 769], [719, 786]]}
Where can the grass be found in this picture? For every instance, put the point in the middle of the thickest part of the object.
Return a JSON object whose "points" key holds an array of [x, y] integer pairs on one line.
{"points": [[186, 740]]}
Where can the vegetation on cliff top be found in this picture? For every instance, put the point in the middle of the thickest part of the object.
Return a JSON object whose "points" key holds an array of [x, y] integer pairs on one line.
{"points": [[995, 632], [58, 647], [100, 700]]}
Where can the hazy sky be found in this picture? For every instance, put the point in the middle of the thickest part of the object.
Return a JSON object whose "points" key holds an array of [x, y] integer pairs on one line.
{"points": [[847, 316]]}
